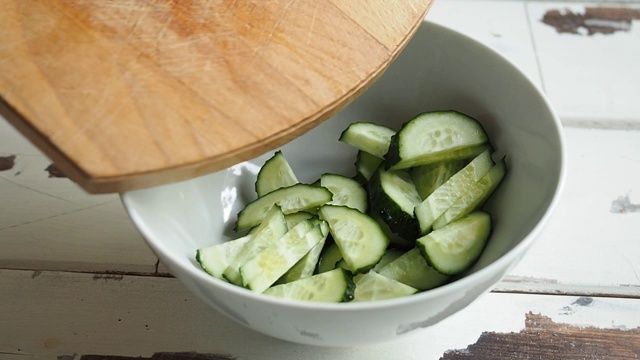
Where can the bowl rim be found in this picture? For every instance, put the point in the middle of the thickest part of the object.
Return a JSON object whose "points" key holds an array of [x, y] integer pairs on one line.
{"points": [[457, 286]]}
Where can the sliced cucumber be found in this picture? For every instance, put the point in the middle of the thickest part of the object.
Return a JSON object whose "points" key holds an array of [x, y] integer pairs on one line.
{"points": [[215, 259], [449, 192], [292, 220], [394, 197], [427, 178], [455, 247], [412, 269], [373, 286], [264, 269], [366, 164], [436, 136], [360, 239], [389, 256], [346, 191], [369, 137], [475, 197], [306, 266], [297, 217], [329, 258], [298, 197], [272, 228], [275, 174], [331, 286]]}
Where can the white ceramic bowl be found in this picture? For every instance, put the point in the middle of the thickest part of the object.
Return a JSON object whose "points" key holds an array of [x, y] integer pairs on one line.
{"points": [[440, 69]]}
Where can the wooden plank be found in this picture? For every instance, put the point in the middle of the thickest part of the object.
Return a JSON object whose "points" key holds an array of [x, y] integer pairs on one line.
{"points": [[591, 242], [57, 315]]}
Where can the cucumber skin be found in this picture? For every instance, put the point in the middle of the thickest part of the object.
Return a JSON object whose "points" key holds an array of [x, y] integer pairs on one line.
{"points": [[349, 293], [401, 223]]}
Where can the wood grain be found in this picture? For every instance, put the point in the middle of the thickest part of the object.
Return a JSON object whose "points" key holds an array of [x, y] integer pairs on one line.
{"points": [[129, 94], [544, 339]]}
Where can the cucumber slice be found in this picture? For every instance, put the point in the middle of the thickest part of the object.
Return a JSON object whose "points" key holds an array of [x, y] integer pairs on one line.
{"points": [[331, 286], [394, 197], [298, 197], [412, 269], [291, 219], [264, 269], [272, 228], [449, 192], [329, 258], [215, 259], [475, 197], [369, 137], [306, 266], [366, 164], [346, 191], [389, 256], [373, 286], [276, 173], [436, 136], [455, 247], [427, 178], [360, 239], [297, 217]]}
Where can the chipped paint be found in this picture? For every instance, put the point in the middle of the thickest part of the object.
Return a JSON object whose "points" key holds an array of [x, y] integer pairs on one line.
{"points": [[581, 301], [594, 20], [156, 356], [55, 172], [108, 276], [7, 162], [623, 205], [544, 339]]}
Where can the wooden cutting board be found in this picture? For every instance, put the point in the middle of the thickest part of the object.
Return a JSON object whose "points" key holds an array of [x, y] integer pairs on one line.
{"points": [[125, 94]]}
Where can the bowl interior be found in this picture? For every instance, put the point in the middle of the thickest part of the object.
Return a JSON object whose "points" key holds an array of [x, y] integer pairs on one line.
{"points": [[438, 70]]}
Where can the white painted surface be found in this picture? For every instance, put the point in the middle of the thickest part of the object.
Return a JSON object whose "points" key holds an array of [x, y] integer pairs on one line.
{"points": [[50, 224], [585, 242], [591, 80], [138, 316], [501, 25]]}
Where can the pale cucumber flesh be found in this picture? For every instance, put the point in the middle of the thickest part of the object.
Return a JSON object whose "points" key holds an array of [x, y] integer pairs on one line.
{"points": [[331, 286], [373, 286], [447, 194], [371, 138], [360, 239], [435, 136], [298, 197], [272, 228], [275, 174], [455, 247], [346, 191], [265, 268], [475, 197]]}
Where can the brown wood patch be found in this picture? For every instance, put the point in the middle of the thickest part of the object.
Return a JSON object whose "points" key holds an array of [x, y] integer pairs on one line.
{"points": [[544, 339], [7, 162], [595, 20]]}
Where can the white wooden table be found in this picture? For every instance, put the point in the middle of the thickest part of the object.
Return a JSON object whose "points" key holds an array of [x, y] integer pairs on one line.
{"points": [[77, 281]]}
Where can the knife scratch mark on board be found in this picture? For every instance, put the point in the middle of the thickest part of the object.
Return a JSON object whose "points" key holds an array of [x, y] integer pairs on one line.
{"points": [[312, 23]]}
